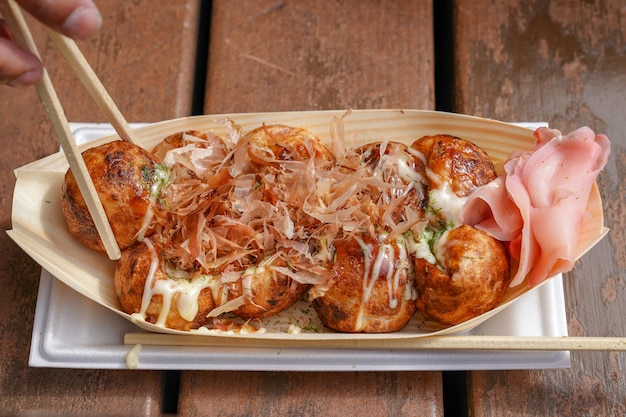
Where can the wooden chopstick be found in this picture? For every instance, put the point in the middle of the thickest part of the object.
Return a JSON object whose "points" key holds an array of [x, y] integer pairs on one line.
{"points": [[19, 29], [92, 83], [537, 343]]}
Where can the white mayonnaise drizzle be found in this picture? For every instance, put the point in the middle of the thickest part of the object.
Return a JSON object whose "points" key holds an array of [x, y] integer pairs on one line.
{"points": [[418, 155], [188, 291], [446, 203], [405, 170], [224, 305], [373, 267], [147, 218], [441, 247], [160, 178], [419, 248]]}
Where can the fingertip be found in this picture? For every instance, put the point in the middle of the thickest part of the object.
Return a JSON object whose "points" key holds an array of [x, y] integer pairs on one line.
{"points": [[82, 22], [17, 66], [30, 77]]}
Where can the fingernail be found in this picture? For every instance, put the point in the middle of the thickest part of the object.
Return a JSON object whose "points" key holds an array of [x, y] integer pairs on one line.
{"points": [[28, 78], [82, 22]]}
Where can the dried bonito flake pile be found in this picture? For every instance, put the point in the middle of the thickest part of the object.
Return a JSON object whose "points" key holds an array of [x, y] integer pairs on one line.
{"points": [[247, 224]]}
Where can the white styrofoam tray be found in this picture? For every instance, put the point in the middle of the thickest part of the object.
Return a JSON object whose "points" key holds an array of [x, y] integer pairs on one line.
{"points": [[71, 331]]}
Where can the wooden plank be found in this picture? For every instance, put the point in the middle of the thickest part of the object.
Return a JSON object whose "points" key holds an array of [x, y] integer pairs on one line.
{"points": [[564, 63], [145, 57], [288, 55], [311, 394]]}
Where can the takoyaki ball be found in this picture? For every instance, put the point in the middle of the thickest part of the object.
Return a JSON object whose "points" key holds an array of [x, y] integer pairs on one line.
{"points": [[395, 166], [473, 275], [178, 140], [123, 175], [191, 138], [395, 162], [265, 291], [283, 160], [370, 288], [455, 161], [131, 272], [194, 155], [396, 174], [274, 143]]}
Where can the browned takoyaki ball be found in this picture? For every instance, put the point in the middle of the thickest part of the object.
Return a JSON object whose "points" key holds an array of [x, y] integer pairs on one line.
{"points": [[178, 140], [191, 156], [371, 289], [131, 272], [473, 278], [282, 159], [395, 166], [456, 161], [272, 143], [123, 175], [393, 175], [192, 138], [266, 292]]}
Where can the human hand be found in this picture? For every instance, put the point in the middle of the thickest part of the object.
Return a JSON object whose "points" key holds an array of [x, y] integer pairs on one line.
{"points": [[77, 19]]}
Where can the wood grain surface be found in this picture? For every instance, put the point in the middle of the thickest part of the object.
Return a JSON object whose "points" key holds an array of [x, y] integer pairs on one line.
{"points": [[311, 394], [145, 57], [294, 55], [275, 55], [565, 63]]}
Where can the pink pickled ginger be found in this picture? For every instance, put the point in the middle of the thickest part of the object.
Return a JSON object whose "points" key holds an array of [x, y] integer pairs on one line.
{"points": [[540, 204]]}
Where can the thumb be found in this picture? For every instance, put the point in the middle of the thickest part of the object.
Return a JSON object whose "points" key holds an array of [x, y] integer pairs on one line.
{"points": [[75, 18]]}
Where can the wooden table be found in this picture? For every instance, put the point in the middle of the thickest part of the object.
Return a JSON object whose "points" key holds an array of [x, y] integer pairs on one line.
{"points": [[515, 60], [564, 63]]}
